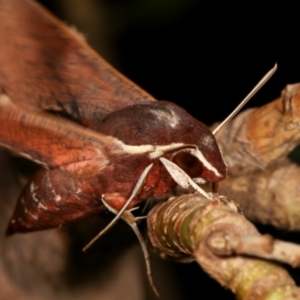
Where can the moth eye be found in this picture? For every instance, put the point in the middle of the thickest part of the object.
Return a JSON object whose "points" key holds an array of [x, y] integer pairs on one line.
{"points": [[188, 163]]}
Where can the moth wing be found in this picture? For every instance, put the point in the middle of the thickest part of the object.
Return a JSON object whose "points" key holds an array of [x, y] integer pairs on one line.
{"points": [[52, 141], [46, 65]]}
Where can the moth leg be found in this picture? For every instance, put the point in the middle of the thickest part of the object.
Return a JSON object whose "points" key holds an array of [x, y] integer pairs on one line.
{"points": [[130, 219], [136, 190], [147, 204]]}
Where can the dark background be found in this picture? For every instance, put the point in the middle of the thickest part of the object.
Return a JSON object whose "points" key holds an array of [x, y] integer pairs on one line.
{"points": [[203, 55]]}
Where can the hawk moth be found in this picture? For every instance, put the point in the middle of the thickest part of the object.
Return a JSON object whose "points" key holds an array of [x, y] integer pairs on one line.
{"points": [[46, 67]]}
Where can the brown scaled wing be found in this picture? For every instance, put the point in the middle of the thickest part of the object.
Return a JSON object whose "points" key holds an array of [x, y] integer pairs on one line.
{"points": [[45, 65]]}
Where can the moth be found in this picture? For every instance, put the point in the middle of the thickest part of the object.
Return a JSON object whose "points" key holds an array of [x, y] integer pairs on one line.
{"points": [[115, 135]]}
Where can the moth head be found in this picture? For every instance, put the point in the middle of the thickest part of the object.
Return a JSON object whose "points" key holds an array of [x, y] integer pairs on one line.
{"points": [[173, 133]]}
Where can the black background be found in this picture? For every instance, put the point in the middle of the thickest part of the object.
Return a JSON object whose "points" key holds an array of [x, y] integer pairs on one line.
{"points": [[203, 55]]}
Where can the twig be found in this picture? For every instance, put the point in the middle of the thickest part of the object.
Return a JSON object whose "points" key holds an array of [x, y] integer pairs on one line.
{"points": [[211, 232], [256, 146]]}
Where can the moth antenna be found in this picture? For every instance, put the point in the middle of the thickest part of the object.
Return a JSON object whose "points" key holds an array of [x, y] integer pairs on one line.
{"points": [[181, 178], [130, 219], [136, 190], [146, 255], [247, 98]]}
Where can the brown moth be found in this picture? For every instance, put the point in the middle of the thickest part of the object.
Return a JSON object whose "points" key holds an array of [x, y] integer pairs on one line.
{"points": [[117, 147], [45, 66]]}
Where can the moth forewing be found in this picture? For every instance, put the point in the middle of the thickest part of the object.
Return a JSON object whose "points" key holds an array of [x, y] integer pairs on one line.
{"points": [[52, 141], [57, 70]]}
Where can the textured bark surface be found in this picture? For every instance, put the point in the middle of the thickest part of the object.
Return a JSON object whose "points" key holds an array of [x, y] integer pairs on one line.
{"points": [[225, 244], [262, 178]]}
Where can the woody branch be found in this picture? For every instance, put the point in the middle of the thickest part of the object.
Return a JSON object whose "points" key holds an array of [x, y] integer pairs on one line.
{"points": [[256, 146], [225, 244]]}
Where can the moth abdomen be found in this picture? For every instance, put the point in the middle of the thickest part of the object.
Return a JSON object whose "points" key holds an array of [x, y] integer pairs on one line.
{"points": [[54, 192]]}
